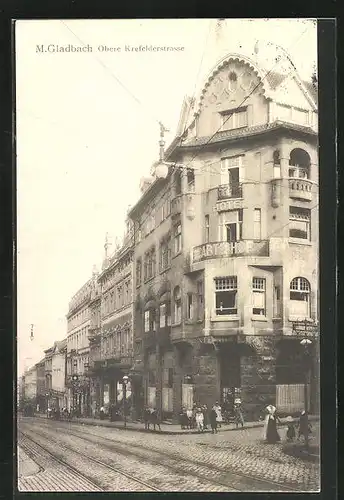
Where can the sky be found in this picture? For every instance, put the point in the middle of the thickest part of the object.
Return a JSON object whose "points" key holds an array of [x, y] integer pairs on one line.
{"points": [[87, 131]]}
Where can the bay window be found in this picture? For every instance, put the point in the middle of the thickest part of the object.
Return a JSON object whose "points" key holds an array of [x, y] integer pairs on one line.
{"points": [[230, 225], [300, 223]]}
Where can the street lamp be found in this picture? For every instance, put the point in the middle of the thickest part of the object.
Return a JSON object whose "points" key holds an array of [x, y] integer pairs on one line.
{"points": [[303, 328], [125, 381]]}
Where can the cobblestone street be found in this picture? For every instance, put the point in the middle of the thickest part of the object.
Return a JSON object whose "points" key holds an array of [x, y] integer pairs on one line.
{"points": [[235, 460]]}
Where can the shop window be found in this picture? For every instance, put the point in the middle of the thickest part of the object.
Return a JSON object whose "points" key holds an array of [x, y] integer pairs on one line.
{"points": [[299, 305], [259, 296], [226, 295], [300, 223]]}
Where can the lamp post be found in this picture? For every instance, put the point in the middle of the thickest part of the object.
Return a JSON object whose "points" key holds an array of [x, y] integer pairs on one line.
{"points": [[303, 328], [125, 381]]}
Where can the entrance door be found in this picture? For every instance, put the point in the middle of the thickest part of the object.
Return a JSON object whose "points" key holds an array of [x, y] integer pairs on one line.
{"points": [[230, 373]]}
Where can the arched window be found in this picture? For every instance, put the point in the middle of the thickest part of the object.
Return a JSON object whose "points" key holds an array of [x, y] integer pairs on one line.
{"points": [[277, 164], [300, 290], [299, 164], [177, 305]]}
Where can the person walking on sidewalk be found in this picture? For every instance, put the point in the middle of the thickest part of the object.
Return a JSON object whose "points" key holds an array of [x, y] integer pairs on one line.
{"points": [[205, 416], [218, 414], [213, 420], [238, 416], [199, 419], [271, 433]]}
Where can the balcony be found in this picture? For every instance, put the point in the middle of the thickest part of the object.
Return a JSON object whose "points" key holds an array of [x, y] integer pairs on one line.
{"points": [[228, 191], [222, 249], [300, 189]]}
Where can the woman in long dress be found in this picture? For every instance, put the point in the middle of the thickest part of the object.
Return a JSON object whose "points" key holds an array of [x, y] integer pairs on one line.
{"points": [[270, 425]]}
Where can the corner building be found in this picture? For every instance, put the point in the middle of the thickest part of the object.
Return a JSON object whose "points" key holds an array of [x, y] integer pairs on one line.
{"points": [[226, 250]]}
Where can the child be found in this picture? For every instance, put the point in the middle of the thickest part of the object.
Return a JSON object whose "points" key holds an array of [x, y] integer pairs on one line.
{"points": [[199, 419], [291, 433]]}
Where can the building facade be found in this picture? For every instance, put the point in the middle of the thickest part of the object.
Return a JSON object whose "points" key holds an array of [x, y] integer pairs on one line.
{"points": [[226, 245], [112, 329], [41, 397], [77, 350], [30, 384], [55, 370]]}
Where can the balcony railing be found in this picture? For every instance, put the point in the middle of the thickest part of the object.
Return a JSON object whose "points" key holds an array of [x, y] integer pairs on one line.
{"points": [[227, 191], [222, 249], [300, 189]]}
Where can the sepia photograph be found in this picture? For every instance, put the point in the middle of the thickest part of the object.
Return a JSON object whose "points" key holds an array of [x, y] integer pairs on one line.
{"points": [[168, 298]]}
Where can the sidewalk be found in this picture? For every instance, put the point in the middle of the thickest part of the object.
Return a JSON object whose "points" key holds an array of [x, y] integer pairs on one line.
{"points": [[166, 428]]}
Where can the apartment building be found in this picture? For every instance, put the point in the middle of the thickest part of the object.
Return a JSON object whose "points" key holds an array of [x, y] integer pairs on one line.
{"points": [[226, 244]]}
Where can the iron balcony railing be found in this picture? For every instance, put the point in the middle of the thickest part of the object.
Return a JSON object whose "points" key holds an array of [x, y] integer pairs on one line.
{"points": [[226, 191]]}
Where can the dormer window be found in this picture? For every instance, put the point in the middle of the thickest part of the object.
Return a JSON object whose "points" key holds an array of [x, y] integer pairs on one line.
{"points": [[234, 118]]}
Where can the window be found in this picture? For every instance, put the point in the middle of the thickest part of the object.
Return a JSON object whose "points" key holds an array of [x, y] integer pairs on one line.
{"points": [[226, 295], [277, 301], [177, 305], [149, 264], [258, 286], [138, 272], [300, 223], [165, 314], [177, 238], [276, 165], [299, 164], [190, 306], [200, 300], [178, 182], [165, 253], [236, 118], [190, 175], [300, 298], [257, 224], [232, 172], [149, 318], [207, 228], [230, 225], [120, 296]]}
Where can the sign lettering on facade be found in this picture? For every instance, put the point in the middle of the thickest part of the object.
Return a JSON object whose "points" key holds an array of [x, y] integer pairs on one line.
{"points": [[223, 206]]}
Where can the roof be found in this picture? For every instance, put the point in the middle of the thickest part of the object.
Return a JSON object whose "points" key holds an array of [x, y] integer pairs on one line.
{"points": [[243, 133]]}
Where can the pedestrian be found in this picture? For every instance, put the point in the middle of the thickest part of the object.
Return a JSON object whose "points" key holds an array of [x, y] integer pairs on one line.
{"points": [[155, 418], [303, 425], [213, 420], [205, 416], [291, 433], [189, 415], [239, 419], [102, 413], [271, 434], [199, 419], [183, 419], [218, 414]]}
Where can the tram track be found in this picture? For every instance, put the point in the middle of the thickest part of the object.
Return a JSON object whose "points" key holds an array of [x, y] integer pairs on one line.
{"points": [[233, 480], [95, 483]]}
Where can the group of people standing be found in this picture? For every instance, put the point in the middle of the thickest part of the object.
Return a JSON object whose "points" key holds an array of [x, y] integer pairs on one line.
{"points": [[200, 417], [271, 434]]}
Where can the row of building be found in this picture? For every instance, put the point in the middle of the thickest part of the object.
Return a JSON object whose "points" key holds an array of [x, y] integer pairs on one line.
{"points": [[216, 281]]}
